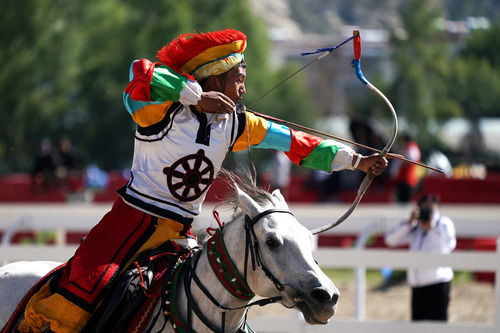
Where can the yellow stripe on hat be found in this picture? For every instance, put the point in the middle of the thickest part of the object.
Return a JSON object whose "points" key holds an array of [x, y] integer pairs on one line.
{"points": [[217, 67], [212, 54]]}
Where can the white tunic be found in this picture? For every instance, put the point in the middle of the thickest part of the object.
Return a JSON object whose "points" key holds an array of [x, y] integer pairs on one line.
{"points": [[172, 169]]}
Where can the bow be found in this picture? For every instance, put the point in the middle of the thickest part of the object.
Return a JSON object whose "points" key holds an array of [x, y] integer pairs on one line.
{"points": [[384, 152], [369, 176]]}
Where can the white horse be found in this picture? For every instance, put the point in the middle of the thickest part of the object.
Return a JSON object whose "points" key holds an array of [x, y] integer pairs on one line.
{"points": [[270, 255]]}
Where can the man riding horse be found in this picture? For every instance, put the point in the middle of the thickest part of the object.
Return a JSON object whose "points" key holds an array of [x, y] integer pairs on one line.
{"points": [[189, 117]]}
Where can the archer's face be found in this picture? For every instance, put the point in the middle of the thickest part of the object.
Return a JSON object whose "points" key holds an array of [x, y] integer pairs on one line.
{"points": [[234, 85]]}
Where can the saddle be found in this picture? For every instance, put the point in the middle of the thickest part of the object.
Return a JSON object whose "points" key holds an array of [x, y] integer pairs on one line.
{"points": [[130, 302]]}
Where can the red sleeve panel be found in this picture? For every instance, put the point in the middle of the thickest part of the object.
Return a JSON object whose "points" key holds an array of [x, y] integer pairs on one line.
{"points": [[302, 145], [141, 74]]}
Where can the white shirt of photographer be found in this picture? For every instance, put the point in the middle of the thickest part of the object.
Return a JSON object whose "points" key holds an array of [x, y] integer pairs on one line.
{"points": [[439, 239]]}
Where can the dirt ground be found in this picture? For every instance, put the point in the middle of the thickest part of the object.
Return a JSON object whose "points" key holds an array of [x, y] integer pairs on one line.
{"points": [[471, 302]]}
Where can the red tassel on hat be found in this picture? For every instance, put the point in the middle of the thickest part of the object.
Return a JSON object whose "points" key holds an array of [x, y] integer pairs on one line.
{"points": [[185, 47]]}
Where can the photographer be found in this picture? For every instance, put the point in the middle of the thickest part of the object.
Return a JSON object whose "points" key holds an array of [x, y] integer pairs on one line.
{"points": [[427, 231]]}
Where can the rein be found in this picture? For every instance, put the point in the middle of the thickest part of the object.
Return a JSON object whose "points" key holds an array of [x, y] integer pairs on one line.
{"points": [[225, 269], [226, 272]]}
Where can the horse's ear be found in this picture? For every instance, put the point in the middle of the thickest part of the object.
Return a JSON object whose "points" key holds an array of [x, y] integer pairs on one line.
{"points": [[281, 199], [246, 202]]}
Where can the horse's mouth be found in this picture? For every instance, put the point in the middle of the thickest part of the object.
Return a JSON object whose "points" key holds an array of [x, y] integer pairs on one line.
{"points": [[311, 316]]}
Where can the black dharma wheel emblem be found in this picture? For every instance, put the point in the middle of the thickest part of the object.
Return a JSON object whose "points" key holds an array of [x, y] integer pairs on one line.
{"points": [[189, 177]]}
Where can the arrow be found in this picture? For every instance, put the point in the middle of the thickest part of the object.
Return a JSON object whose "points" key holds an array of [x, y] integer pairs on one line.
{"points": [[310, 130]]}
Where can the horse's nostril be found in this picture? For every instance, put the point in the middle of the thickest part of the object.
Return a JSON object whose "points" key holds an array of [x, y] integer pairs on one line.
{"points": [[335, 298], [320, 295]]}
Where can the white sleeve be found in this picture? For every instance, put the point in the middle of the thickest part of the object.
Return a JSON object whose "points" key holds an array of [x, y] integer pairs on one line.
{"points": [[413, 153], [343, 158], [442, 237], [191, 93], [398, 236]]}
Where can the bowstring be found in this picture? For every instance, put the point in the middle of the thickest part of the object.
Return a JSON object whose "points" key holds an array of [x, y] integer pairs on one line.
{"points": [[323, 53]]}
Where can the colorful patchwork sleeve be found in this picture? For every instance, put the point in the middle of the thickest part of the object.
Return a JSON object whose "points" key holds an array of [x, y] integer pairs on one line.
{"points": [[153, 88], [301, 148]]}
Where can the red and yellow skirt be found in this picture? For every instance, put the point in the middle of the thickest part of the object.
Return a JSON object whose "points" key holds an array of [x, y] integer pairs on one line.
{"points": [[110, 247]]}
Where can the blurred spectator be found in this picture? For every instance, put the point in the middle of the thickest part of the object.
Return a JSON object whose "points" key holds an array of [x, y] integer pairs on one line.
{"points": [[427, 231], [44, 166], [280, 172], [64, 157], [439, 160], [328, 185], [331, 185], [56, 167], [369, 133], [95, 178], [68, 166], [406, 174]]}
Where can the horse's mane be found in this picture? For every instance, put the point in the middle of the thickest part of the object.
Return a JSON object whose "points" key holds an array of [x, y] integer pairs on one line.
{"points": [[247, 183]]}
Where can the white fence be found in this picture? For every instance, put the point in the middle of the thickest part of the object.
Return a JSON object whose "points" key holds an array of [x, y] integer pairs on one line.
{"points": [[469, 220], [343, 258]]}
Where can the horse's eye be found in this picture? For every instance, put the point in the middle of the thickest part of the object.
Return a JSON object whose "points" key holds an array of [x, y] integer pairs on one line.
{"points": [[272, 243]]}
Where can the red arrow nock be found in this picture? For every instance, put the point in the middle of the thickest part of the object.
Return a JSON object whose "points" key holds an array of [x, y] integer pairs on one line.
{"points": [[357, 44]]}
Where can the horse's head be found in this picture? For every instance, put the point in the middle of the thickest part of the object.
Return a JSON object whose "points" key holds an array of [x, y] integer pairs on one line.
{"points": [[285, 250]]}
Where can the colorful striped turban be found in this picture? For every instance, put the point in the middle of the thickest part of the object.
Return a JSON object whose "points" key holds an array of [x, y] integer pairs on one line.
{"points": [[206, 54]]}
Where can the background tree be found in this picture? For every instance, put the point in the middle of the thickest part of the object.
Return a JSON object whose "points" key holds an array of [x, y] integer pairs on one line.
{"points": [[421, 58], [65, 65], [475, 87], [38, 66]]}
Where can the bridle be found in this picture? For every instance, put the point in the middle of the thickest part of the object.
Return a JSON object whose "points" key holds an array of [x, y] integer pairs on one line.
{"points": [[227, 274], [253, 247]]}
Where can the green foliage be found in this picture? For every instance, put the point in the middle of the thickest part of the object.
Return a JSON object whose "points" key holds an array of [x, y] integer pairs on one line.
{"points": [[434, 85], [421, 90], [476, 87], [40, 237], [475, 83], [65, 65], [483, 44], [459, 9], [421, 60], [290, 100]]}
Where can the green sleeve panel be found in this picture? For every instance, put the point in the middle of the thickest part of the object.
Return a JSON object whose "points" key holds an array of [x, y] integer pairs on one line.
{"points": [[322, 156], [166, 84]]}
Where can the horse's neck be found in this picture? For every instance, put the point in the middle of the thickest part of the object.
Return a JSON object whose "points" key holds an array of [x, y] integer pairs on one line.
{"points": [[234, 240]]}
